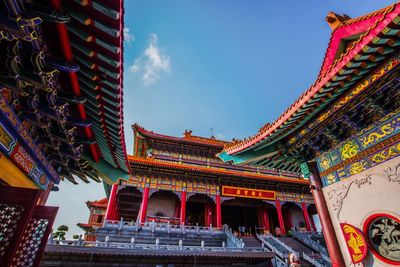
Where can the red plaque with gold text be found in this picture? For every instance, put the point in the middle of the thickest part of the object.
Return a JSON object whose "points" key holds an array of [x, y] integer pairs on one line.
{"points": [[232, 191]]}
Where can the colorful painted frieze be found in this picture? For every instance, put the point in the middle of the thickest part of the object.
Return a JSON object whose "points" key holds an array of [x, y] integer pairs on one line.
{"points": [[175, 185]]}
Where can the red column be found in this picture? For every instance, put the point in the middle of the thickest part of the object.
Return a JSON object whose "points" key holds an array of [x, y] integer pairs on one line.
{"points": [[182, 217], [218, 210], [177, 209], [306, 217], [280, 217], [111, 212], [326, 222], [145, 201], [207, 220], [265, 219]]}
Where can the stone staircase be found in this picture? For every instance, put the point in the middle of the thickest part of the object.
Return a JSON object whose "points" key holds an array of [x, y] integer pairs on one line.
{"points": [[295, 245], [150, 235], [308, 256], [251, 241], [316, 242]]}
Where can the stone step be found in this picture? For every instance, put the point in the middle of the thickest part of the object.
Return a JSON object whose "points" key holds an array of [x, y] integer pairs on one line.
{"points": [[250, 241]]}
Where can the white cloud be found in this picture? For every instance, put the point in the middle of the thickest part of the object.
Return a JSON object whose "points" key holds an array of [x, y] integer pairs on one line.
{"points": [[151, 62], [219, 136], [128, 37]]}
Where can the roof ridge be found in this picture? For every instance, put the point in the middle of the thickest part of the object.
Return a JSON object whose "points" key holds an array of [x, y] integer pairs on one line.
{"points": [[188, 137], [215, 169]]}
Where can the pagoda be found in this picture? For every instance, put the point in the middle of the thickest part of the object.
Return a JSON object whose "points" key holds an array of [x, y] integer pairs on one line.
{"points": [[97, 211], [343, 134]]}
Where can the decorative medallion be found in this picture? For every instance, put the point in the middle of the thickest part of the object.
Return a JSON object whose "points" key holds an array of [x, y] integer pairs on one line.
{"points": [[355, 242], [383, 232]]}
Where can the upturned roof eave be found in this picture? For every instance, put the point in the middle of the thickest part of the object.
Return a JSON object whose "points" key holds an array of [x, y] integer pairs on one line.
{"points": [[308, 95]]}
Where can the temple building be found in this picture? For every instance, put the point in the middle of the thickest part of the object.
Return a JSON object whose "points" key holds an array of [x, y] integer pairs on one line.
{"points": [[61, 112], [343, 134], [179, 180], [97, 212]]}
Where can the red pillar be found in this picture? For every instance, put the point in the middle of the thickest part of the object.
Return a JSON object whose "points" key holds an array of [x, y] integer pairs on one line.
{"points": [[306, 217], [182, 217], [207, 217], [145, 201], [326, 222], [280, 217], [265, 219], [111, 212], [218, 210], [177, 209]]}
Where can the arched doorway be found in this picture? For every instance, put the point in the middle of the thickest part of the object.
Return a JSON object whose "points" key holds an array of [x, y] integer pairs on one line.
{"points": [[129, 199], [200, 209], [293, 216], [164, 206]]}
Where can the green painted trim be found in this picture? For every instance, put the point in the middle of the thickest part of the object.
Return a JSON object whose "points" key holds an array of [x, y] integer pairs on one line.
{"points": [[107, 172]]}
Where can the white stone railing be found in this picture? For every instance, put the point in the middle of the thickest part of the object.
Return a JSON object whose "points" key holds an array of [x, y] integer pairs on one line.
{"points": [[284, 245], [233, 240], [280, 263], [263, 239], [134, 246], [312, 260], [306, 239], [153, 226]]}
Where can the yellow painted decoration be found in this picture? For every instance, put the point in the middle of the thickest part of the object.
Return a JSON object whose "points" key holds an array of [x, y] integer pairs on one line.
{"points": [[348, 150], [331, 178], [386, 154], [375, 137], [5, 138], [12, 175], [358, 167], [355, 242]]}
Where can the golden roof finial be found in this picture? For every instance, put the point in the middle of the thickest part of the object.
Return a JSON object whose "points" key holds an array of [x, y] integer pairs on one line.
{"points": [[335, 21]]}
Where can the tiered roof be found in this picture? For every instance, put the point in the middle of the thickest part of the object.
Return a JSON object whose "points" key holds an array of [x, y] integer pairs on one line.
{"points": [[62, 76], [95, 35], [101, 203], [223, 172], [187, 138], [372, 39]]}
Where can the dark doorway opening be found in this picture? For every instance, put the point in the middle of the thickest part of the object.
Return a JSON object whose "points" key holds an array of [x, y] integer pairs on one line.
{"points": [[240, 216], [195, 213]]}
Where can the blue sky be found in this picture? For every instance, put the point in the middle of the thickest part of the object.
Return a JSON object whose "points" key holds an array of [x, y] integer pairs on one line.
{"points": [[230, 65]]}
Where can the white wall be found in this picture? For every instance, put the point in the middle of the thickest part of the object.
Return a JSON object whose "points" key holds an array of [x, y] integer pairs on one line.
{"points": [[356, 198], [161, 204]]}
